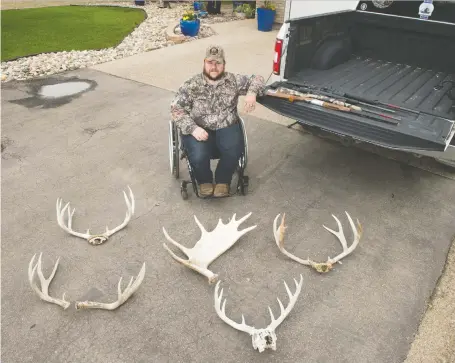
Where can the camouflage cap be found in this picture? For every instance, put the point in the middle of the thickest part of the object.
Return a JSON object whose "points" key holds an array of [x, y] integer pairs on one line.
{"points": [[216, 53]]}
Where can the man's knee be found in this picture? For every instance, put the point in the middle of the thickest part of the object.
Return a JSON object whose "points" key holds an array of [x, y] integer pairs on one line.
{"points": [[234, 150], [198, 152], [199, 156], [231, 141]]}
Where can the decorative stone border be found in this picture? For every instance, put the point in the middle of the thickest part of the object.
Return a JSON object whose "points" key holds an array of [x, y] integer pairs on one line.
{"points": [[172, 36]]}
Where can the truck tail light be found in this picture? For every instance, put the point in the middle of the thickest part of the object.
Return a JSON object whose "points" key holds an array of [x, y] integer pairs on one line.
{"points": [[277, 56]]}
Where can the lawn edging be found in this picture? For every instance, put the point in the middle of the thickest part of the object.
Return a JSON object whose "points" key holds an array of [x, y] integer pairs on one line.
{"points": [[170, 34]]}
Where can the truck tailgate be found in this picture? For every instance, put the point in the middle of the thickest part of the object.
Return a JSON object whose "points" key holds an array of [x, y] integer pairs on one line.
{"points": [[419, 132]]}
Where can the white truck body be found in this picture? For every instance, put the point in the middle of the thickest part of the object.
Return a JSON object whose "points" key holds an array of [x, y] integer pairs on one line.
{"points": [[303, 20]]}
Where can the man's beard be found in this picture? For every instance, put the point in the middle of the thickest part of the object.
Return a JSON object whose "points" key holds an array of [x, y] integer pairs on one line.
{"points": [[207, 74]]}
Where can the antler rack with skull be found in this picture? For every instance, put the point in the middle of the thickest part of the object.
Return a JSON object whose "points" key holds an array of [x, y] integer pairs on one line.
{"points": [[261, 338]]}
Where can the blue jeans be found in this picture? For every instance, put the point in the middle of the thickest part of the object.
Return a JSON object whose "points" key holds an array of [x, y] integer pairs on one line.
{"points": [[225, 144]]}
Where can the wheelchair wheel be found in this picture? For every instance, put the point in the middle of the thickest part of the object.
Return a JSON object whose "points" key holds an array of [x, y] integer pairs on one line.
{"points": [[173, 149], [244, 185], [244, 159], [183, 191]]}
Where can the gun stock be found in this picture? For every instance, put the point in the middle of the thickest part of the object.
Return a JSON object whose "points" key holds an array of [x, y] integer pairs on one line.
{"points": [[309, 99]]}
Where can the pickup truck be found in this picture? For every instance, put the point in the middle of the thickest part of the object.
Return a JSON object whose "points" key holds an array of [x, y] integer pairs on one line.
{"points": [[376, 72]]}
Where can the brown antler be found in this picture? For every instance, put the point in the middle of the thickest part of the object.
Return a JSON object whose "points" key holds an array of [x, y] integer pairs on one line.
{"points": [[323, 266]]}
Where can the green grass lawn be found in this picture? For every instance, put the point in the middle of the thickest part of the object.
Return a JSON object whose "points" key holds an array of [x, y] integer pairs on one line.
{"points": [[60, 28]]}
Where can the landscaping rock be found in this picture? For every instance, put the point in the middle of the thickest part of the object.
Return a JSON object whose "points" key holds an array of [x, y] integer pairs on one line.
{"points": [[151, 34]]}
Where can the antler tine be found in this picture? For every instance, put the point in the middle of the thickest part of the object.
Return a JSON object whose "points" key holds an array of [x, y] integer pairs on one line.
{"points": [[340, 234], [241, 220], [246, 230], [43, 293], [292, 300], [279, 239], [61, 222], [201, 227], [133, 286], [121, 296], [222, 312], [129, 213], [133, 202], [70, 217], [182, 248], [342, 238]]}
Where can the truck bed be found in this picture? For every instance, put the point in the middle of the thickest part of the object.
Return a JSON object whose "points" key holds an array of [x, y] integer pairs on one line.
{"points": [[430, 127], [399, 84], [396, 60]]}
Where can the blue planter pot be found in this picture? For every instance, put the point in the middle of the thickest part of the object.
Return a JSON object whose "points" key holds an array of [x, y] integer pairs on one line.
{"points": [[190, 27], [266, 18], [139, 2], [197, 5]]}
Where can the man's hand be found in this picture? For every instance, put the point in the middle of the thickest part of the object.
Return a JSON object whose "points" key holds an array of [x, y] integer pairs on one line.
{"points": [[250, 103], [200, 134]]}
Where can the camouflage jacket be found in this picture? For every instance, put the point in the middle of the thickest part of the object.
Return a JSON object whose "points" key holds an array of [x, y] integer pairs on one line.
{"points": [[198, 103]]}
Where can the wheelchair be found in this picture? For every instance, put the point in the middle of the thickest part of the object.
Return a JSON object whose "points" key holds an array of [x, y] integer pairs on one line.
{"points": [[177, 152]]}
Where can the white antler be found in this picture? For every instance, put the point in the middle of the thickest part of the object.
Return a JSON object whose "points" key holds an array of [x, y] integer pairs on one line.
{"points": [[210, 246], [94, 239], [222, 313], [324, 266], [342, 238], [43, 293], [261, 338], [292, 300], [122, 296]]}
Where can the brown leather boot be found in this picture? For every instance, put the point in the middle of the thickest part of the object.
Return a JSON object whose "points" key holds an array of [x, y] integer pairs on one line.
{"points": [[205, 190], [221, 190]]}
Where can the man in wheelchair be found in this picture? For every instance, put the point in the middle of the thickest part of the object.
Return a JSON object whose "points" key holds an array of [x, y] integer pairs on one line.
{"points": [[205, 111]]}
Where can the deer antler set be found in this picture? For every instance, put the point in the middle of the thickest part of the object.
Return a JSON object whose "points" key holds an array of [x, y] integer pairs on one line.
{"points": [[93, 239], [212, 244], [321, 267]]}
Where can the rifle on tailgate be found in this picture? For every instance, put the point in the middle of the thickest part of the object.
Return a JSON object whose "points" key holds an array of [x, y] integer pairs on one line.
{"points": [[330, 103]]}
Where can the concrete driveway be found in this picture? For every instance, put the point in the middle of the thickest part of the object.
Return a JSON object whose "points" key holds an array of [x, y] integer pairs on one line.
{"points": [[87, 149]]}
